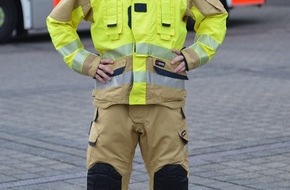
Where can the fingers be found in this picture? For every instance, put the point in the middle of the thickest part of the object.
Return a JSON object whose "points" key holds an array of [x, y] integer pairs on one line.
{"points": [[102, 77], [180, 68], [179, 59], [177, 52], [106, 61], [104, 71]]}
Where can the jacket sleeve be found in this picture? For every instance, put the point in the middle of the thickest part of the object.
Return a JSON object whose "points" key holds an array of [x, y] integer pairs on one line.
{"points": [[210, 27], [62, 26]]}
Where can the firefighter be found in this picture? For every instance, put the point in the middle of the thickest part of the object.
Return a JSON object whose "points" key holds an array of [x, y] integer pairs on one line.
{"points": [[139, 72]]}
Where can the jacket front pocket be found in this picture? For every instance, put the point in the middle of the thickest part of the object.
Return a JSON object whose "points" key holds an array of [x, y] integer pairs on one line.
{"points": [[165, 68], [112, 13], [165, 19]]}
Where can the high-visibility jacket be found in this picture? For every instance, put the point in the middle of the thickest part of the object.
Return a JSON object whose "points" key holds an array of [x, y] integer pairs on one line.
{"points": [[139, 36]]}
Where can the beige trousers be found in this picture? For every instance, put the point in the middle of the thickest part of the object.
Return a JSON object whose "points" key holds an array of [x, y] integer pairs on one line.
{"points": [[160, 131]]}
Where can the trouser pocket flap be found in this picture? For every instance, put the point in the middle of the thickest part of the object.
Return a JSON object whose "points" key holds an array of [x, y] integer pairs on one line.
{"points": [[183, 133], [93, 136]]}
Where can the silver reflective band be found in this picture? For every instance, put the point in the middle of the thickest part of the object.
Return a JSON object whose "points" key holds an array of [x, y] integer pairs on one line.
{"points": [[203, 56], [123, 79], [207, 40], [154, 51], [142, 77], [70, 48], [155, 79], [143, 49], [119, 52], [79, 59], [139, 76]]}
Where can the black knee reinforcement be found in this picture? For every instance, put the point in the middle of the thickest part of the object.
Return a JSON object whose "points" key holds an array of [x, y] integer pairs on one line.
{"points": [[103, 176], [171, 177]]}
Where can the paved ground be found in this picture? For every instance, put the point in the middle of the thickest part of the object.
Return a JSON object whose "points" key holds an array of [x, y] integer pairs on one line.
{"points": [[238, 111]]}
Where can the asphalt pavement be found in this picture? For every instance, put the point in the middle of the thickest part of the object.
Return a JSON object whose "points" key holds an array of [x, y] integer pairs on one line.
{"points": [[238, 111]]}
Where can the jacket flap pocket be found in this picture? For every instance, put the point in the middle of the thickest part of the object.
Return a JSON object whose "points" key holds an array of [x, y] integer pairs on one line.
{"points": [[165, 18], [113, 19], [166, 69], [170, 74], [117, 71]]}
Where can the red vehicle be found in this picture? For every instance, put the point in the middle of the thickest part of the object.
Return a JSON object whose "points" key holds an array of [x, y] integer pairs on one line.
{"points": [[228, 4], [55, 2]]}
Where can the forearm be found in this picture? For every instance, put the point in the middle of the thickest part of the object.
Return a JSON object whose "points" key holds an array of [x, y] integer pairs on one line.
{"points": [[62, 26], [210, 27]]}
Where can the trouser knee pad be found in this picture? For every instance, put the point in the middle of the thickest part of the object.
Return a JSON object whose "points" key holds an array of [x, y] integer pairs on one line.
{"points": [[171, 177], [103, 176]]}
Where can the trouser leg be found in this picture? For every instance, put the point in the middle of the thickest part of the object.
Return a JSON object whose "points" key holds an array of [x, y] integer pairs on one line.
{"points": [[164, 148], [111, 148]]}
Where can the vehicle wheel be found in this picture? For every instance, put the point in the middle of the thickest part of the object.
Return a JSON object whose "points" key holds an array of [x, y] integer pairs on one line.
{"points": [[8, 19]]}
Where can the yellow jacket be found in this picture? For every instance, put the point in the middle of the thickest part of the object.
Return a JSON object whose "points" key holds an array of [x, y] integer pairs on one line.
{"points": [[139, 36]]}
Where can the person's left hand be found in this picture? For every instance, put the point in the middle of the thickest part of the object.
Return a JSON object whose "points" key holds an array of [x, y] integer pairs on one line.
{"points": [[179, 59]]}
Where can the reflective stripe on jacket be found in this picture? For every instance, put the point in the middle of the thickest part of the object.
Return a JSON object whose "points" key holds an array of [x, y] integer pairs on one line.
{"points": [[139, 35]]}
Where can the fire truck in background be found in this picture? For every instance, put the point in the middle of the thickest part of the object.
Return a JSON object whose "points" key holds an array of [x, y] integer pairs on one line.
{"points": [[229, 4], [17, 17]]}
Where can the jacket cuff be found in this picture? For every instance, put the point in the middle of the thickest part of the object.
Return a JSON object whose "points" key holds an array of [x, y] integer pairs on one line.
{"points": [[90, 65], [191, 58]]}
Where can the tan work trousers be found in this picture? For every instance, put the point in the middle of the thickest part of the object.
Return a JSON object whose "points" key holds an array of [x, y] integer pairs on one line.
{"points": [[160, 131]]}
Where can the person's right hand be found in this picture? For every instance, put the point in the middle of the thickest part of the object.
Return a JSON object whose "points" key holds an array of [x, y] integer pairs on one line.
{"points": [[103, 72]]}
